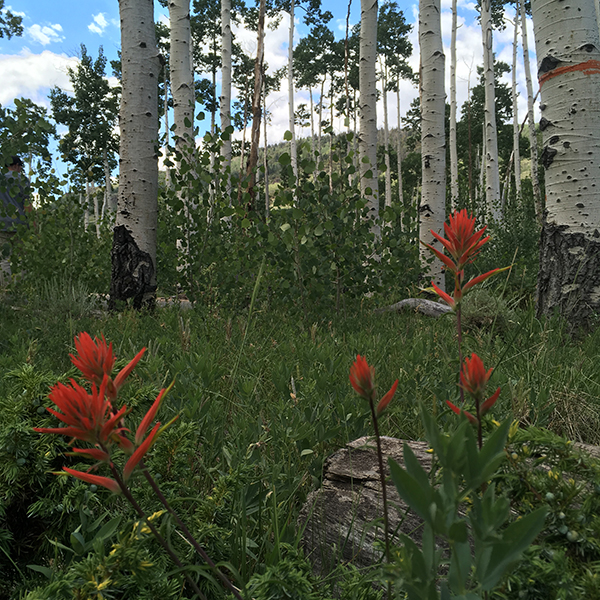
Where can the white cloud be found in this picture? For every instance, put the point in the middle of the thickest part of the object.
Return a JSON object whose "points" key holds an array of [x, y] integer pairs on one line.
{"points": [[30, 75], [45, 34], [99, 24]]}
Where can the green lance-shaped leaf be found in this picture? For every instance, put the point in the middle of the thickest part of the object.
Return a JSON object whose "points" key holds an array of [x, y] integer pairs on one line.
{"points": [[515, 539], [419, 498]]}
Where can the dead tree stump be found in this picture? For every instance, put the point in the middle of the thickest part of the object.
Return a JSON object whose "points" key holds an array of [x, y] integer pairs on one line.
{"points": [[343, 519]]}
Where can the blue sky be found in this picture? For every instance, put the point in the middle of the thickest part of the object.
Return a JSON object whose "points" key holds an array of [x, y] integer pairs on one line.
{"points": [[54, 30]]}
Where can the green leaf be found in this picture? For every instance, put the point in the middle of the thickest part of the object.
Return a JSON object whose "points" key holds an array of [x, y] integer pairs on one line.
{"points": [[47, 571], [319, 230], [245, 223], [284, 227], [418, 499], [515, 539], [414, 468], [107, 530], [458, 531], [287, 136], [460, 566]]}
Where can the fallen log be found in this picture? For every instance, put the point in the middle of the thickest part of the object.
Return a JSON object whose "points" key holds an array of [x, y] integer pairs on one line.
{"points": [[427, 307], [343, 519]]}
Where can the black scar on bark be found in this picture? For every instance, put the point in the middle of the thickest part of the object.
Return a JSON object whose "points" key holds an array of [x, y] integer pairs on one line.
{"points": [[544, 123], [560, 266], [132, 271], [548, 64], [548, 155]]}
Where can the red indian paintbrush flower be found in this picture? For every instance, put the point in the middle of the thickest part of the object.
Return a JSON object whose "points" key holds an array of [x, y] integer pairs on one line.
{"points": [[474, 378], [463, 244], [96, 359], [362, 378], [106, 482], [89, 417]]}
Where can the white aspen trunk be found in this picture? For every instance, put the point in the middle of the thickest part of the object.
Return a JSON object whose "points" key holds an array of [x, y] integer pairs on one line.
{"points": [[292, 125], [346, 58], [386, 134], [399, 156], [167, 133], [331, 136], [312, 128], [516, 124], [256, 104], [492, 174], [182, 84], [568, 54], [432, 210], [110, 198], [321, 117], [453, 149], [535, 180], [225, 99], [368, 110], [481, 165], [134, 242], [265, 162], [86, 210], [92, 191]]}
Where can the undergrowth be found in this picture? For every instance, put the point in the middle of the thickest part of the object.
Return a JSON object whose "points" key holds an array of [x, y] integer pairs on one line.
{"points": [[263, 399]]}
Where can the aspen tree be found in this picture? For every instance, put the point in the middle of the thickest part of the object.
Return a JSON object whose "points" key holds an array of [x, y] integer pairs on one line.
{"points": [[516, 126], [432, 210], [134, 241], [292, 125], [452, 139], [368, 110], [181, 70], [225, 99], [492, 174], [533, 145], [568, 55]]}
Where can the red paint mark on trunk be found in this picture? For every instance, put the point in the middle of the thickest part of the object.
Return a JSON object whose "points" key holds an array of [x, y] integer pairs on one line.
{"points": [[590, 67]]}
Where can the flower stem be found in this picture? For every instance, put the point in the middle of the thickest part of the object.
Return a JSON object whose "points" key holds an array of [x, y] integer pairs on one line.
{"points": [[460, 357], [383, 488], [154, 531], [187, 532]]}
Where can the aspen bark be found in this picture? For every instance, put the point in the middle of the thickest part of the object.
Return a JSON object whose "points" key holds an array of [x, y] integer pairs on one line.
{"points": [[568, 54], [256, 104], [432, 210], [368, 110], [134, 242], [292, 124], [492, 174], [399, 153], [516, 125], [225, 100], [182, 83], [386, 133], [452, 140], [535, 179]]}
